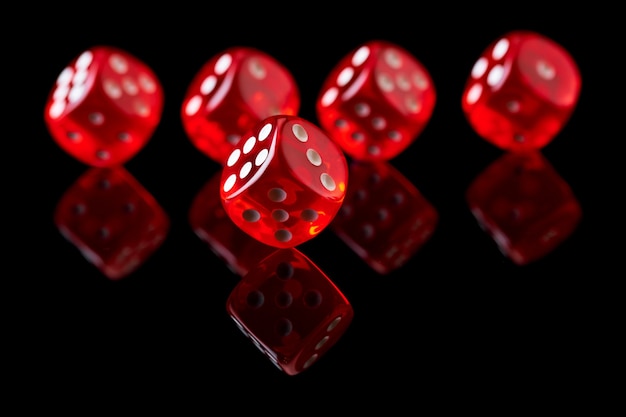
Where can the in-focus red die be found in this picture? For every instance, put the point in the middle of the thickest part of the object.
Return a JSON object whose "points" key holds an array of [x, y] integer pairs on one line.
{"points": [[524, 205], [376, 101], [521, 91], [104, 107], [284, 182], [211, 224], [384, 217], [112, 220], [290, 310], [231, 93]]}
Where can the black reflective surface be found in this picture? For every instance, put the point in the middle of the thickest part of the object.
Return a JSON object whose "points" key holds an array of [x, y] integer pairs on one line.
{"points": [[458, 318]]}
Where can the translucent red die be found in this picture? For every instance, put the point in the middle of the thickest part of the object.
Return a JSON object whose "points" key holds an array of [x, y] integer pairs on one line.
{"points": [[211, 224], [112, 220], [104, 107], [230, 94], [524, 205], [290, 310], [284, 182], [384, 218], [376, 101], [521, 91]]}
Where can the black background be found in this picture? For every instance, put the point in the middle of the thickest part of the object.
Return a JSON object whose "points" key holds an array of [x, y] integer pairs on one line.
{"points": [[458, 325]]}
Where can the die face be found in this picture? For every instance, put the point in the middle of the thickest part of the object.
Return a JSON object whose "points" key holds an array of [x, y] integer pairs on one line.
{"points": [[290, 310], [212, 225], [104, 107], [384, 217], [112, 219], [285, 181], [376, 101], [521, 91], [524, 204], [230, 94]]}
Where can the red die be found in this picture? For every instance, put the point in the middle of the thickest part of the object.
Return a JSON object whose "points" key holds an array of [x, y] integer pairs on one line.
{"points": [[230, 94], [523, 203], [290, 310], [111, 218], [384, 218], [104, 107], [284, 182], [521, 91], [376, 101], [212, 225]]}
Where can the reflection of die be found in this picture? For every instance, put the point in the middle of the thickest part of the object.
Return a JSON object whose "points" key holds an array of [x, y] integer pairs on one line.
{"points": [[376, 101], [284, 182], [104, 106], [521, 91], [524, 205], [211, 224], [112, 220], [231, 93], [384, 217], [290, 310]]}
